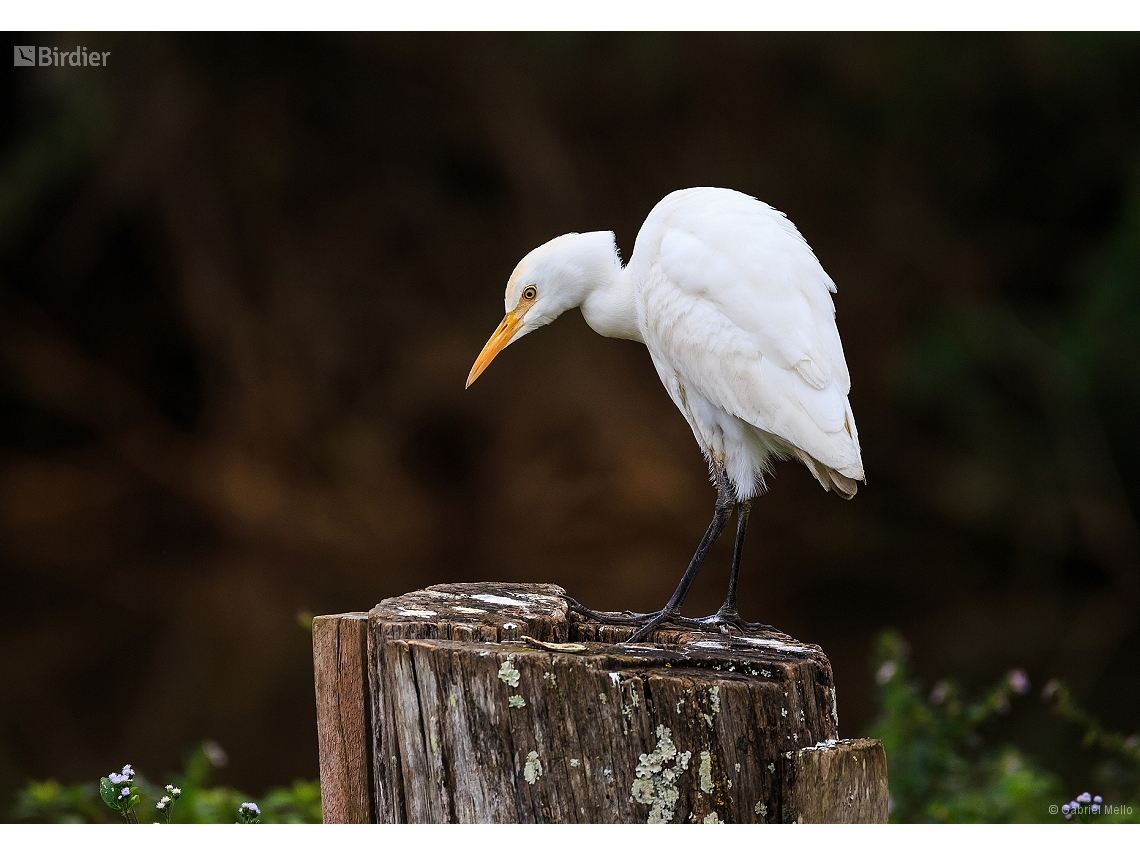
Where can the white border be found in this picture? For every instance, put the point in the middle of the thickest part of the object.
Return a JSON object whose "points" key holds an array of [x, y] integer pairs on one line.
{"points": [[551, 840], [811, 15]]}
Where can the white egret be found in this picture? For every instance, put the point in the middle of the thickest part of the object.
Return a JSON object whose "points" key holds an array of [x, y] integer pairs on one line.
{"points": [[736, 313]]}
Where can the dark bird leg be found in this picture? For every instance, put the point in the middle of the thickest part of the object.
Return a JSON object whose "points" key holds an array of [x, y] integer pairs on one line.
{"points": [[728, 616], [671, 612], [672, 609], [728, 612]]}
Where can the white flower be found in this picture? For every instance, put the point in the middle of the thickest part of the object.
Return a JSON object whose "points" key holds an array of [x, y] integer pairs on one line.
{"points": [[250, 807], [128, 771], [173, 790], [163, 802], [116, 778]]}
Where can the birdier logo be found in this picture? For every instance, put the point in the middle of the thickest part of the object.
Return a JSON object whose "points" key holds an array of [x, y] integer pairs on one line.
{"points": [[32, 55]]}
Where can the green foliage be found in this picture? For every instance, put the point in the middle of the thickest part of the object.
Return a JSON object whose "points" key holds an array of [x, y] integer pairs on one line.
{"points": [[942, 768], [939, 768], [298, 803], [189, 799], [50, 801], [109, 792], [1119, 771]]}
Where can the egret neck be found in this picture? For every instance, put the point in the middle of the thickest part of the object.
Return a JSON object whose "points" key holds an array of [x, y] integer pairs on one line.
{"points": [[608, 302]]}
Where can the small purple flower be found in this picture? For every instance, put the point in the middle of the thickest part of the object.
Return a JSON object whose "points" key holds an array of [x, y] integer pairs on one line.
{"points": [[126, 791], [1098, 799], [1084, 798], [249, 812], [1095, 808], [939, 693], [1019, 681]]}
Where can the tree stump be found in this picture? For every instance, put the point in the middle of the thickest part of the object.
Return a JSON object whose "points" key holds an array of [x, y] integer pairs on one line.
{"points": [[492, 702]]}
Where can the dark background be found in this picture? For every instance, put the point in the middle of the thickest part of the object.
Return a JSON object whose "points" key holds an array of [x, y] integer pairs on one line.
{"points": [[243, 278]]}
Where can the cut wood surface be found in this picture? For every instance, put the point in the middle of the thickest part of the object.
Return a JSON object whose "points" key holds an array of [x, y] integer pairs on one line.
{"points": [[491, 702]]}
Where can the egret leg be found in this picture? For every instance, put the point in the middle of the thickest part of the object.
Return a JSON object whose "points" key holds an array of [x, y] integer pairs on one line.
{"points": [[728, 616], [728, 612], [672, 610]]}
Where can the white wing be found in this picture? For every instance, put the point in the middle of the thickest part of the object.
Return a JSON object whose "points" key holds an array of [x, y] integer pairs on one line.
{"points": [[737, 304]]}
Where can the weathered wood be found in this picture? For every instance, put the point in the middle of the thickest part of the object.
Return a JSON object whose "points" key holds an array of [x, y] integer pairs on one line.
{"points": [[492, 703], [844, 781], [344, 719]]}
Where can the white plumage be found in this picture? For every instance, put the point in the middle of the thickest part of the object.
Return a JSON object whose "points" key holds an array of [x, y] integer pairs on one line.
{"points": [[737, 315]]}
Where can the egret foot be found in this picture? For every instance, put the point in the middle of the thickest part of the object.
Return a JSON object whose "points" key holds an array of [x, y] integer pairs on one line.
{"points": [[655, 621], [645, 622], [626, 618], [722, 621]]}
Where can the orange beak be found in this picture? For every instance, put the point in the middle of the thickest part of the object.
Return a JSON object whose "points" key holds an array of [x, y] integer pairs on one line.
{"points": [[498, 340]]}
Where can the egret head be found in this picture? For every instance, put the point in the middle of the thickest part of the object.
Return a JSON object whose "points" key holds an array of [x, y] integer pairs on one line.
{"points": [[549, 280]]}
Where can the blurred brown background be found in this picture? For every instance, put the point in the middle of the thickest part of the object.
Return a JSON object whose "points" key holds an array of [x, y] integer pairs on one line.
{"points": [[243, 278]]}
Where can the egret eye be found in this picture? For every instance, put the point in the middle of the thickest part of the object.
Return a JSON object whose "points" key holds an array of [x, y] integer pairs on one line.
{"points": [[529, 293]]}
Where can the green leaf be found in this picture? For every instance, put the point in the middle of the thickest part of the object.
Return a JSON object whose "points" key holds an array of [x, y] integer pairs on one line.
{"points": [[110, 793]]}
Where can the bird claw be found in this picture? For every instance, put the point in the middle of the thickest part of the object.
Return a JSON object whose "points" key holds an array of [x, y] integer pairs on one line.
{"points": [[724, 621], [625, 618]]}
